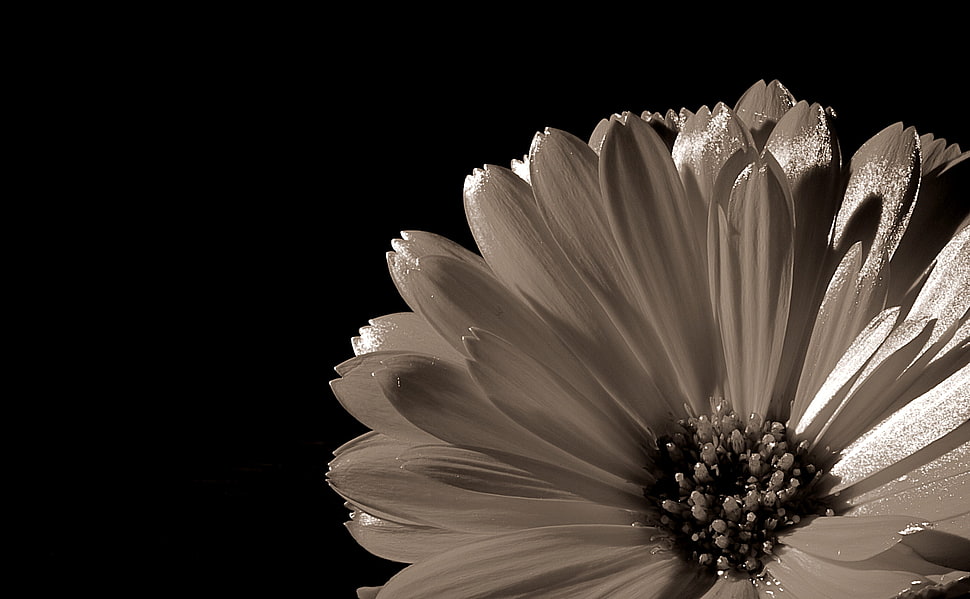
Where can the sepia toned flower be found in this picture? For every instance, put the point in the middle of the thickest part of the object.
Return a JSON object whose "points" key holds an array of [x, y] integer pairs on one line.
{"points": [[699, 355]]}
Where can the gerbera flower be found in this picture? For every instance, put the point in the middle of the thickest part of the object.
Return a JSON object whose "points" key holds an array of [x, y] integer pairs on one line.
{"points": [[698, 356]]}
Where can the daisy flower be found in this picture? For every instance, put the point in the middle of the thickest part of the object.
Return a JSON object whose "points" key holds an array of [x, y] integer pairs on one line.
{"points": [[699, 355]]}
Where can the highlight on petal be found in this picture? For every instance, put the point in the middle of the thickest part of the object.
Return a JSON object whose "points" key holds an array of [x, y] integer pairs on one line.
{"points": [[921, 431], [933, 492], [885, 171], [762, 106]]}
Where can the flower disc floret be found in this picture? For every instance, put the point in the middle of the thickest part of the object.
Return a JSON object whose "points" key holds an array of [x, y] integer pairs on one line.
{"points": [[730, 486]]}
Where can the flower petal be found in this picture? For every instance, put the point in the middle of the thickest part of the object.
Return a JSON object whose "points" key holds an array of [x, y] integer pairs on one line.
{"points": [[885, 575], [843, 538], [548, 406], [885, 170], [922, 431], [592, 562], [360, 393], [869, 391], [807, 150], [763, 105], [934, 492], [406, 543], [404, 331], [659, 234], [368, 474], [828, 398], [854, 297], [443, 400], [475, 471], [753, 283], [368, 592], [527, 258], [706, 141]]}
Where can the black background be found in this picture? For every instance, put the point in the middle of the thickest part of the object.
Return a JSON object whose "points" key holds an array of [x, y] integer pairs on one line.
{"points": [[257, 182]]}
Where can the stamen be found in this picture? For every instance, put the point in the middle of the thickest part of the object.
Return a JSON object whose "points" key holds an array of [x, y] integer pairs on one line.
{"points": [[732, 484]]}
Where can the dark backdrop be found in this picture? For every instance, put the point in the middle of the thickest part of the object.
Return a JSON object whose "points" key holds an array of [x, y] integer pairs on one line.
{"points": [[283, 167]]}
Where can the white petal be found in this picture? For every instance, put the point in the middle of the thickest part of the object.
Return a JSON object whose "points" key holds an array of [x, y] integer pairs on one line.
{"points": [[843, 538], [475, 471], [763, 105], [936, 491], [886, 575], [443, 400], [885, 170], [659, 238], [733, 587], [589, 562], [545, 404], [368, 474], [828, 398], [854, 297], [360, 393], [753, 283], [923, 430], [405, 331], [806, 147], [704, 144]]}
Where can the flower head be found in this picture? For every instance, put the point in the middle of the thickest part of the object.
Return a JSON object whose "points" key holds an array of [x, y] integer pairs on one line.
{"points": [[699, 355]]}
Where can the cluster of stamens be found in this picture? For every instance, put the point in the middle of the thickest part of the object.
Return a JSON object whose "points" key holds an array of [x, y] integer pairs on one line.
{"points": [[730, 486]]}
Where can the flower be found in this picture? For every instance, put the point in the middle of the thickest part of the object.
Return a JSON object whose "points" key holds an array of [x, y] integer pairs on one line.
{"points": [[698, 356]]}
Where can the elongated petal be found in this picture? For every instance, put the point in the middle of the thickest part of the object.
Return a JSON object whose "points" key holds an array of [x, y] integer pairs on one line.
{"points": [[545, 404], [565, 179], [853, 297], [827, 400], [368, 473], [651, 218], [443, 400], [869, 392], [851, 539], [527, 258], [934, 492], [807, 150], [946, 294], [886, 575], [475, 471], [556, 562], [755, 254], [706, 141], [920, 432]]}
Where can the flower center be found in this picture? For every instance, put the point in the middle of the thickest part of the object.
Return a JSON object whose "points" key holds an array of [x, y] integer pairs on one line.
{"points": [[729, 486]]}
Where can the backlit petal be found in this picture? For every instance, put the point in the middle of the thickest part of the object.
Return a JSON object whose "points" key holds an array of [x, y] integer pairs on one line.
{"points": [[920, 432], [763, 105]]}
